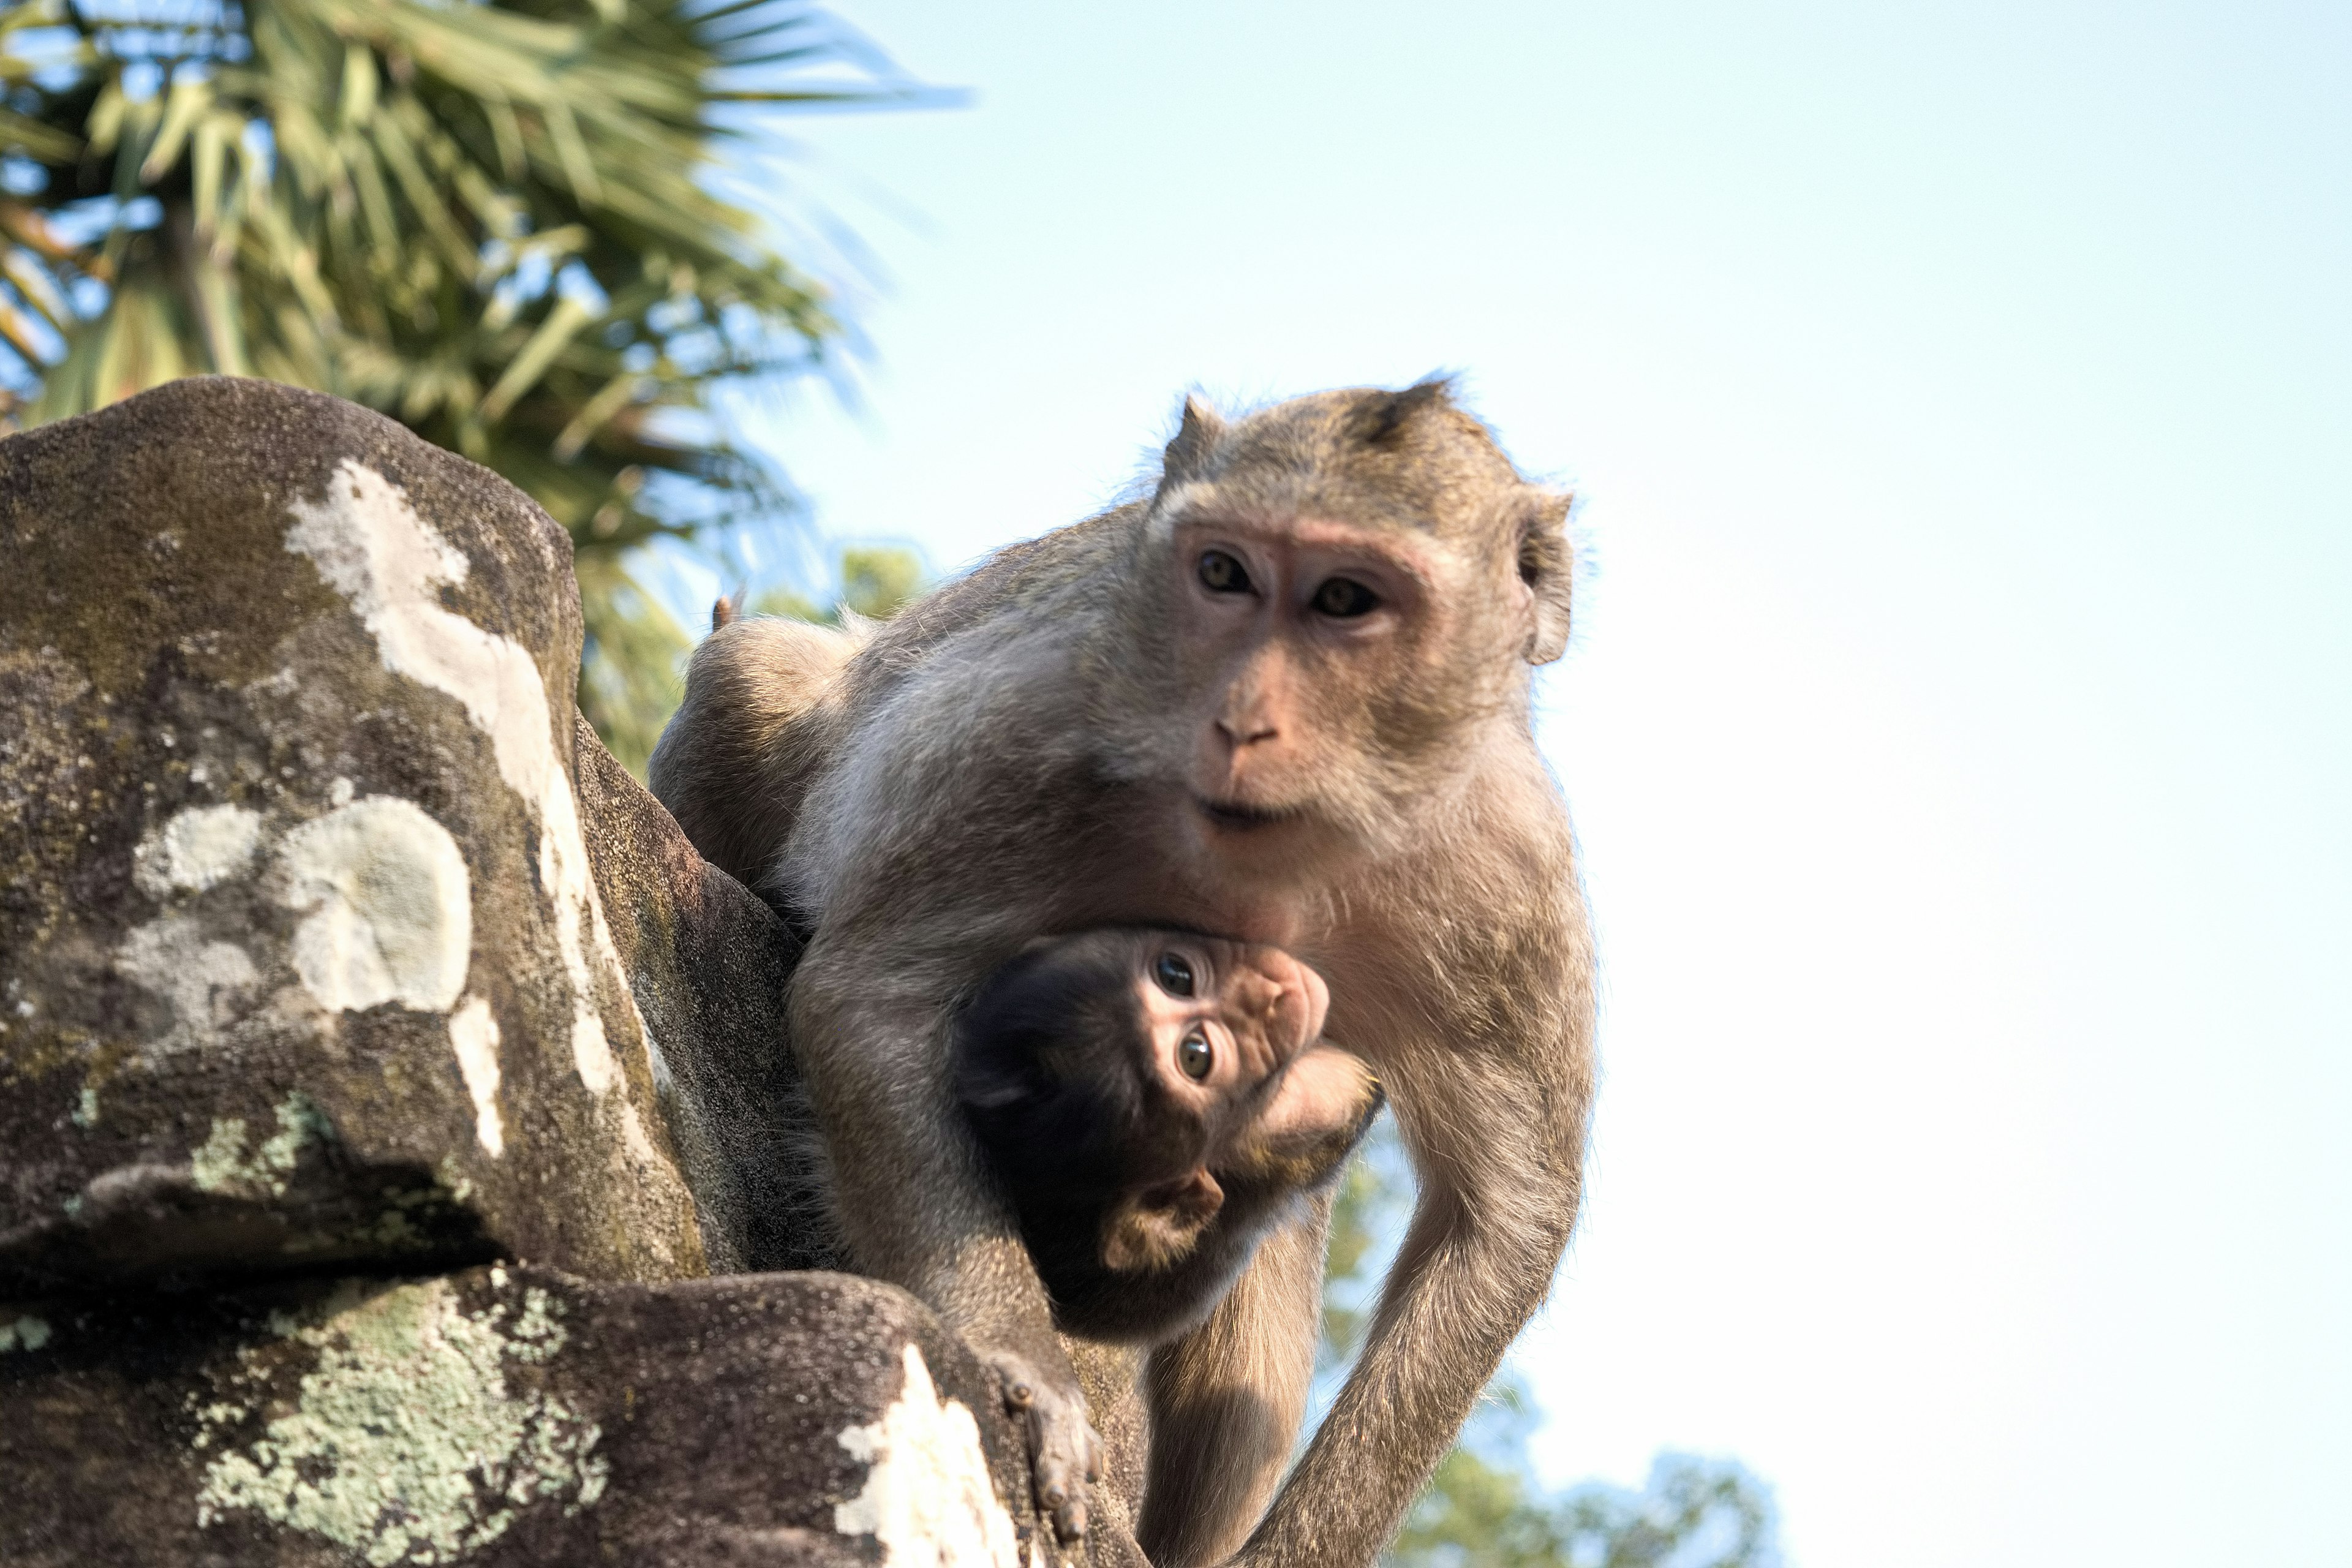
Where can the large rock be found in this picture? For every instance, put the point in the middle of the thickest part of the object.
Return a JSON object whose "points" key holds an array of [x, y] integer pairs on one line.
{"points": [[337, 956], [302, 959], [503, 1416]]}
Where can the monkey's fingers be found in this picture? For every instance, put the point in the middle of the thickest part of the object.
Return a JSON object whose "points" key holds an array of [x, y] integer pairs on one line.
{"points": [[1064, 1452], [1061, 1455]]}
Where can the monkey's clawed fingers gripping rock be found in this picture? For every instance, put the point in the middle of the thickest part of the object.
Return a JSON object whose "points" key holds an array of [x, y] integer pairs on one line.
{"points": [[1065, 1453]]}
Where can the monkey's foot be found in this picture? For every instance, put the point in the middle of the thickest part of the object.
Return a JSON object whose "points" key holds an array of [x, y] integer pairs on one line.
{"points": [[1065, 1454]]}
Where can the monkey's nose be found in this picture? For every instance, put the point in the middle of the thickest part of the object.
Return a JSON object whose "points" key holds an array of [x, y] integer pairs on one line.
{"points": [[1239, 732]]}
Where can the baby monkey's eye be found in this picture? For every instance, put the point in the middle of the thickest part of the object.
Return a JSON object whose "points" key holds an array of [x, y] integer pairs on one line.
{"points": [[1195, 1056], [1173, 975]]}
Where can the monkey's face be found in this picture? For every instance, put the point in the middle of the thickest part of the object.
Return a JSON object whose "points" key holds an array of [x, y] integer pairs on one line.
{"points": [[1241, 1105], [1220, 1020], [1133, 1054], [1330, 677], [1339, 601], [1153, 1100]]}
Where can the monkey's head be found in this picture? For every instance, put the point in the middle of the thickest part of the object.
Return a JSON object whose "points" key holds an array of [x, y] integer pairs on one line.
{"points": [[1341, 593], [1153, 1103]]}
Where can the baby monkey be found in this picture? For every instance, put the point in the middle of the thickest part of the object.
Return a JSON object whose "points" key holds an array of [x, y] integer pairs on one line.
{"points": [[1153, 1103]]}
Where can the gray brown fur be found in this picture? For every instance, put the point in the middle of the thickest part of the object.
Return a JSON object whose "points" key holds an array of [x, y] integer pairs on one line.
{"points": [[1021, 754]]}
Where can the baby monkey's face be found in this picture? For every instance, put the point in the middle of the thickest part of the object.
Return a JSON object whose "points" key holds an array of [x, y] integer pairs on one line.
{"points": [[1222, 1019], [1154, 1102]]}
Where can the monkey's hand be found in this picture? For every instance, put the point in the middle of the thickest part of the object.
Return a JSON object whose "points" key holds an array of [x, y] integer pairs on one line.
{"points": [[1065, 1454]]}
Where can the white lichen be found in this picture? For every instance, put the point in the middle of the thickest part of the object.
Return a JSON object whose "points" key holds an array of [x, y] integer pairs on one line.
{"points": [[27, 1332], [405, 1444], [204, 982], [201, 848], [389, 564], [390, 914], [474, 1036], [633, 1138], [928, 1497]]}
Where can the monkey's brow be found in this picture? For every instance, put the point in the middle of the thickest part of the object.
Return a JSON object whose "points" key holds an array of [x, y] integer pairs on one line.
{"points": [[1403, 547]]}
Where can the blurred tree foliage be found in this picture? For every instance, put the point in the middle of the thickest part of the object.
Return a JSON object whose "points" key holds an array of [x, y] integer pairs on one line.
{"points": [[873, 579], [1483, 1507], [500, 222], [634, 683]]}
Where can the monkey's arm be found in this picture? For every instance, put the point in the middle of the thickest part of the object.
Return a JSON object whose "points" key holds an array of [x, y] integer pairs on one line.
{"points": [[1227, 1398], [914, 1201], [1498, 1147]]}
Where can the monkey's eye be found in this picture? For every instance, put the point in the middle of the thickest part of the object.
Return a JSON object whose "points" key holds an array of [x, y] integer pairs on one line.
{"points": [[1173, 973], [1343, 598], [1223, 573], [1195, 1054]]}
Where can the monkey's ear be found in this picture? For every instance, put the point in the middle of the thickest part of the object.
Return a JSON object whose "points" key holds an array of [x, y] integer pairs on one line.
{"points": [[1323, 1104], [1546, 566], [1383, 418], [1157, 1227], [1196, 436]]}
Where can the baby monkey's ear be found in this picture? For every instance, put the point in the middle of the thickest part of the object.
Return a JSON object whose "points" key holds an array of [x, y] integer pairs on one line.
{"points": [[1157, 1227]]}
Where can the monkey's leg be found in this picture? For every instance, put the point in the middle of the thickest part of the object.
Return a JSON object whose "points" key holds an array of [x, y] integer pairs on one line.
{"points": [[735, 759], [1227, 1398], [1493, 1219]]}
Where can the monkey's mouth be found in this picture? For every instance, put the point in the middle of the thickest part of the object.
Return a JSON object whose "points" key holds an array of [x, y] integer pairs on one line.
{"points": [[1241, 817]]}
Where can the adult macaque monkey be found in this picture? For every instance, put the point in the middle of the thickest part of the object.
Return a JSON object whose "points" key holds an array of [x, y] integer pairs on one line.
{"points": [[1284, 699]]}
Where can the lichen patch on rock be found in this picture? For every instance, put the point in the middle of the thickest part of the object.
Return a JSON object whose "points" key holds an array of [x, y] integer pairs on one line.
{"points": [[388, 564], [390, 907], [206, 982], [221, 1165], [928, 1497], [26, 1333], [474, 1036], [406, 1443], [200, 848]]}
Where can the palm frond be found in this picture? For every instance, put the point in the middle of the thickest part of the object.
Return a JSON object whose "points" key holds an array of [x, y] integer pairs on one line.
{"points": [[498, 222]]}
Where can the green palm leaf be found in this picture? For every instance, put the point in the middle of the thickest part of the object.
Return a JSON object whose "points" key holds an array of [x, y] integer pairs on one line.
{"points": [[496, 222]]}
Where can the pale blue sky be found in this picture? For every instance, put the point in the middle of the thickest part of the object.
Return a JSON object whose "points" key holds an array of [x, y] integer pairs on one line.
{"points": [[1957, 727]]}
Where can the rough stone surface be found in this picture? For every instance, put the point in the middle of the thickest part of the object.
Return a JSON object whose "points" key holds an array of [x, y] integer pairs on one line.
{"points": [[506, 1416], [710, 964], [302, 961], [336, 956]]}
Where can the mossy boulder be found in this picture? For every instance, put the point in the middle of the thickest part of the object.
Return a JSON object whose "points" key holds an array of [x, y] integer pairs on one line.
{"points": [[304, 958], [338, 960], [507, 1415]]}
